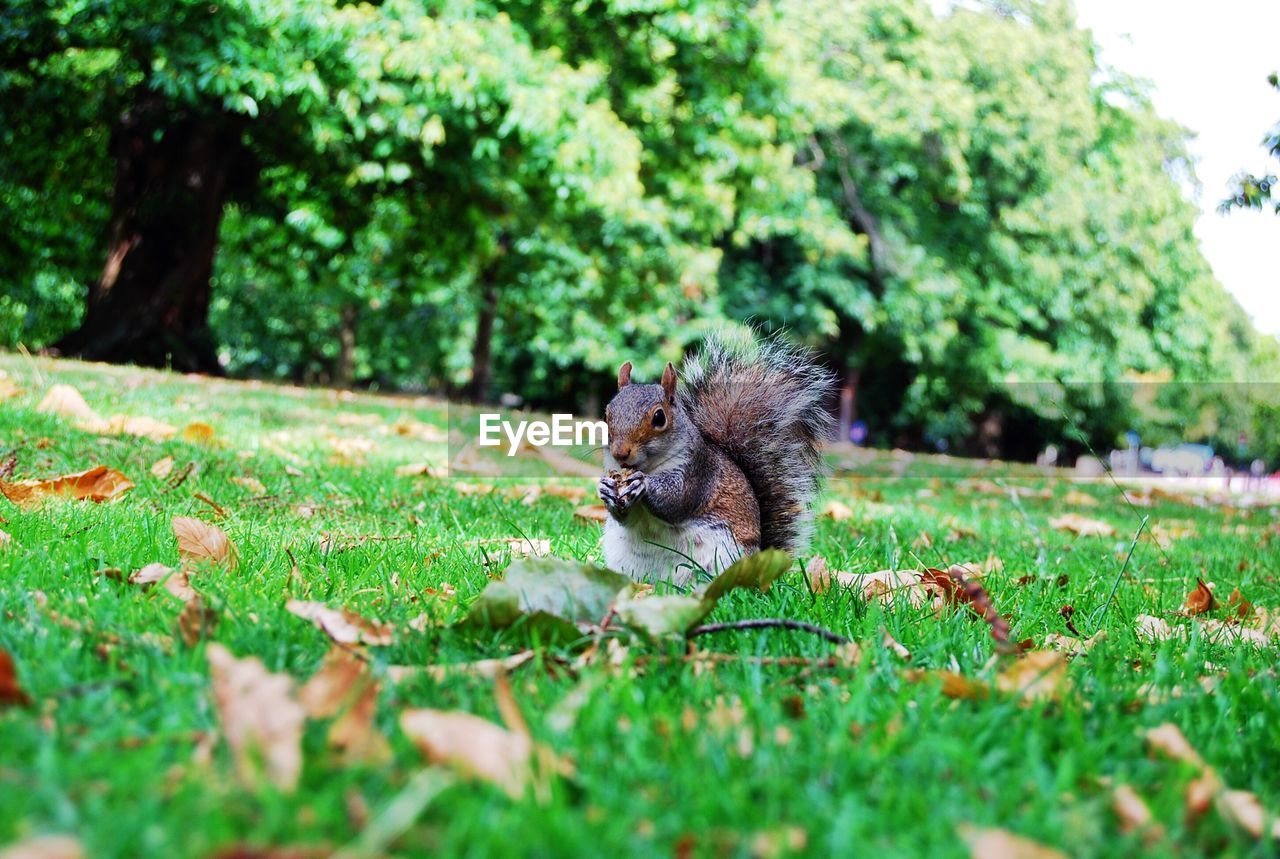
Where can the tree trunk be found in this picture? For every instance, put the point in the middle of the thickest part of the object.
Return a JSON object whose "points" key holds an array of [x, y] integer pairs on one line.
{"points": [[344, 374], [174, 171], [482, 351], [848, 400]]}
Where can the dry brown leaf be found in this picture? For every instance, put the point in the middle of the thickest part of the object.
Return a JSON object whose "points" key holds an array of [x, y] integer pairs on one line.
{"points": [[163, 467], [199, 541], [141, 427], [1082, 526], [260, 717], [1169, 740], [887, 586], [66, 401], [592, 512], [954, 685], [46, 847], [985, 843], [1070, 645], [342, 625], [198, 432], [175, 581], [521, 547], [837, 510], [11, 691], [896, 646], [489, 669], [1076, 498], [345, 687], [96, 484], [1200, 600], [429, 433], [9, 389], [1134, 814], [420, 469], [196, 622], [819, 574], [1037, 675], [1245, 810], [252, 484], [1154, 628], [1238, 605], [5, 541], [475, 747]]}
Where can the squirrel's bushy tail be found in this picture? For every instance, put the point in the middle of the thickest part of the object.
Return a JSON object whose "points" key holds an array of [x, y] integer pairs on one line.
{"points": [[763, 403]]}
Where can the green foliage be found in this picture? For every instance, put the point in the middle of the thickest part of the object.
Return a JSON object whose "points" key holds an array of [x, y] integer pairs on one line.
{"points": [[1258, 192], [518, 195]]}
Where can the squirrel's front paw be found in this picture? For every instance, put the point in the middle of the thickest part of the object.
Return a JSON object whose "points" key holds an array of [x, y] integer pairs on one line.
{"points": [[608, 490], [631, 487]]}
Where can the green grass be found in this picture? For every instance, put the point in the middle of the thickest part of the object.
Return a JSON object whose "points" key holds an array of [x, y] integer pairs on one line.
{"points": [[861, 761]]}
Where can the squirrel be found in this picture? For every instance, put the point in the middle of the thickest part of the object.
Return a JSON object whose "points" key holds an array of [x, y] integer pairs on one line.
{"points": [[717, 463]]}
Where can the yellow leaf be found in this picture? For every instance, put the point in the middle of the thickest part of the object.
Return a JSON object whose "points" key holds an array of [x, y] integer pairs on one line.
{"points": [[163, 467], [8, 389], [345, 687], [250, 483], [96, 484], [198, 432], [837, 510]]}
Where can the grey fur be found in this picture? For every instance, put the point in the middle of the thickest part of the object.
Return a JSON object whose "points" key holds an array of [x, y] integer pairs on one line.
{"points": [[763, 403]]}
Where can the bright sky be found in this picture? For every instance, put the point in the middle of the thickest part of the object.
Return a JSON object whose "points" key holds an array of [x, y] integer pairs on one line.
{"points": [[1209, 64]]}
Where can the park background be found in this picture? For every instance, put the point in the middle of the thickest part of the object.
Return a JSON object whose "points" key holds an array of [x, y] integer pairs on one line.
{"points": [[984, 228]]}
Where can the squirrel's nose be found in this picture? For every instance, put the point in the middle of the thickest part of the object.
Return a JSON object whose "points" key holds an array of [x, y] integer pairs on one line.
{"points": [[622, 455]]}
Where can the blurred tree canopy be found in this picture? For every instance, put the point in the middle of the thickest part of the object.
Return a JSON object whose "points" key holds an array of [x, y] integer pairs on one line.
{"points": [[516, 195], [1258, 192]]}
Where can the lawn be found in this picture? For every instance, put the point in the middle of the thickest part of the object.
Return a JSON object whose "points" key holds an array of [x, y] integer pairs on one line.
{"points": [[786, 744]]}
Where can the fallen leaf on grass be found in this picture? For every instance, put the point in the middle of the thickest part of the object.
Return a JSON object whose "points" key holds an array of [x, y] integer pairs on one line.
{"points": [[199, 541], [66, 401], [1153, 628], [429, 433], [252, 484], [140, 427], [1200, 600], [1037, 675], [96, 484], [479, 749], [1076, 498], [886, 586], [260, 717], [198, 432], [488, 669], [9, 389], [837, 511], [46, 847], [163, 467], [420, 469], [1134, 814], [174, 581], [342, 625], [5, 541], [1082, 526], [987, 843], [11, 691], [196, 621], [520, 547], [1238, 605], [345, 687], [1241, 808], [592, 512], [954, 685]]}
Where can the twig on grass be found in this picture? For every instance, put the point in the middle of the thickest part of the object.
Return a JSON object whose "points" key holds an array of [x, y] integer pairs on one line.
{"points": [[769, 623]]}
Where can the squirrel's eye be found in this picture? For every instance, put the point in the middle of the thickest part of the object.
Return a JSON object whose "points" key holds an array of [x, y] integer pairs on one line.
{"points": [[659, 418]]}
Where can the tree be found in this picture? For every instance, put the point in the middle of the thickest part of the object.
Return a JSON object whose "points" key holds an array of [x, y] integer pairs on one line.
{"points": [[1257, 192]]}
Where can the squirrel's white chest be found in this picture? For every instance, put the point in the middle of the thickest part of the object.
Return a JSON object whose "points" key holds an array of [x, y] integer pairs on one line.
{"points": [[649, 549]]}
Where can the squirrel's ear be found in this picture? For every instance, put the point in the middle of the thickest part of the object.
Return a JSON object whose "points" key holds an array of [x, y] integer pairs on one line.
{"points": [[624, 375], [669, 382]]}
